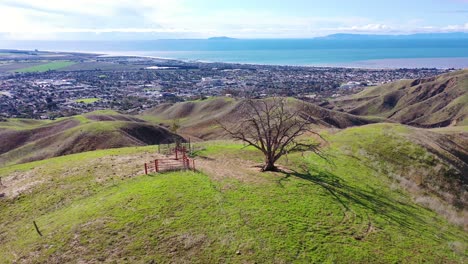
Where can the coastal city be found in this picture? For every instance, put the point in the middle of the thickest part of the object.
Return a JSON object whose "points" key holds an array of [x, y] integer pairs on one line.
{"points": [[132, 84]]}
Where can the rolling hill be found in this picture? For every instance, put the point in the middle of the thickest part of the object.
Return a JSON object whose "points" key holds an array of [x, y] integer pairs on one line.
{"points": [[435, 102], [200, 118], [29, 140], [359, 206]]}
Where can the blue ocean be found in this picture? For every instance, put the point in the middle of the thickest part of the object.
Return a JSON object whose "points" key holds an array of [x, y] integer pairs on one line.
{"points": [[446, 53]]}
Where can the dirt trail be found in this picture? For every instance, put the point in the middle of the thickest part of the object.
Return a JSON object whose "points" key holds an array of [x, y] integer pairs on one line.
{"points": [[222, 168]]}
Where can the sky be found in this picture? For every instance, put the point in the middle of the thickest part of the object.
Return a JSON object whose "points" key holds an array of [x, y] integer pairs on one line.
{"points": [[160, 19]]}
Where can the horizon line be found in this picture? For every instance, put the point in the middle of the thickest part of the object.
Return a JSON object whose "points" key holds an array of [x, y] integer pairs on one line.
{"points": [[254, 38]]}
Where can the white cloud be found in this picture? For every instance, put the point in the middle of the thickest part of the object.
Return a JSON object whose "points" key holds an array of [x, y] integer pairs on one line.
{"points": [[456, 27], [58, 15], [396, 29], [54, 19], [363, 28]]}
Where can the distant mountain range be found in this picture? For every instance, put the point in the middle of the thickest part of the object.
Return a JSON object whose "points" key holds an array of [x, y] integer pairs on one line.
{"points": [[221, 38], [343, 36], [346, 36]]}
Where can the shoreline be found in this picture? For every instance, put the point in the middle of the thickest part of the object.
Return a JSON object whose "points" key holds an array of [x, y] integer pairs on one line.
{"points": [[459, 63], [378, 64], [442, 63]]}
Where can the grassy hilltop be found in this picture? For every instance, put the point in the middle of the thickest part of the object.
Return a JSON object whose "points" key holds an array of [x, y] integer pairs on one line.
{"points": [[360, 206]]}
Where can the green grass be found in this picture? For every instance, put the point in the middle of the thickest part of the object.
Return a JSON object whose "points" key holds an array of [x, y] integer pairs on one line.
{"points": [[36, 149], [154, 120], [218, 147], [87, 100], [82, 119], [103, 112], [60, 140], [27, 124], [212, 98], [188, 212], [454, 129], [47, 66], [58, 163], [21, 124], [109, 126], [338, 211]]}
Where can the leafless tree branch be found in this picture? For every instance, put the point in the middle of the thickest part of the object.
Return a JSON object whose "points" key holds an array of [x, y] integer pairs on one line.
{"points": [[273, 127]]}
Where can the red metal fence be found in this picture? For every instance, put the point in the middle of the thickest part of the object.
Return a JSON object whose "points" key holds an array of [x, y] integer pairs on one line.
{"points": [[179, 162]]}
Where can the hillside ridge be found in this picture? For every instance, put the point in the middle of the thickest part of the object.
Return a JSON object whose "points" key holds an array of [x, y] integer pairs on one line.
{"points": [[434, 102], [200, 118], [25, 143]]}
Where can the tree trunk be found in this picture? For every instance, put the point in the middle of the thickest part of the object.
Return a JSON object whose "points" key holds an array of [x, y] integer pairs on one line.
{"points": [[270, 165]]}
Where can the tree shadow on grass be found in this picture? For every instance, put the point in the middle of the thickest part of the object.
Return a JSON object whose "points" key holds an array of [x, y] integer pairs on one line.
{"points": [[198, 154], [350, 197]]}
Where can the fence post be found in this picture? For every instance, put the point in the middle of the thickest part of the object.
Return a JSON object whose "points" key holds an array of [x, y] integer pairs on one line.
{"points": [[37, 228], [193, 164], [146, 169], [176, 156], [156, 165]]}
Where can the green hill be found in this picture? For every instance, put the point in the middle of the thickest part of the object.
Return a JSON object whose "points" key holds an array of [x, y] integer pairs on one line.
{"points": [[199, 118], [28, 140], [435, 102], [361, 206]]}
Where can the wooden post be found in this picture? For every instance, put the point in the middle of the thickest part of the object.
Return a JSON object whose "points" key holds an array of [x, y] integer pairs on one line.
{"points": [[176, 156], [37, 228], [156, 165], [193, 164], [146, 169]]}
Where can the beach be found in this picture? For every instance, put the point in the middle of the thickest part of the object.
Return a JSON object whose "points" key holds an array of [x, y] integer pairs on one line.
{"points": [[451, 53]]}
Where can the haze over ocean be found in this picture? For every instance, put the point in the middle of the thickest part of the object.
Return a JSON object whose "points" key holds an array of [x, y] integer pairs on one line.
{"points": [[394, 53]]}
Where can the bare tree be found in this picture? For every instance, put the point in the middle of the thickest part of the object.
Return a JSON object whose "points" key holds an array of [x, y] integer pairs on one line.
{"points": [[272, 126]]}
